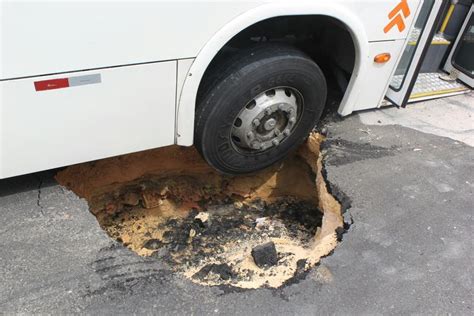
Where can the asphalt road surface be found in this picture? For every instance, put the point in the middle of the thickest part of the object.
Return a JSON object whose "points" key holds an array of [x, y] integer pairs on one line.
{"points": [[410, 249]]}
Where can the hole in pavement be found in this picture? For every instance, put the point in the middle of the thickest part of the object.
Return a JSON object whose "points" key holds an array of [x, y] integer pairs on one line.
{"points": [[259, 230]]}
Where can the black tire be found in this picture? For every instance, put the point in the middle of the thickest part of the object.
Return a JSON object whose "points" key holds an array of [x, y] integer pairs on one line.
{"points": [[234, 83]]}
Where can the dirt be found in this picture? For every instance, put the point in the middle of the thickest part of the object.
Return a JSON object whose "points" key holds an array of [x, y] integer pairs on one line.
{"points": [[169, 204]]}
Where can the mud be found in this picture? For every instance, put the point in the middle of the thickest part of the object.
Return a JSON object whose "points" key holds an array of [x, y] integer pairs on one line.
{"points": [[168, 204]]}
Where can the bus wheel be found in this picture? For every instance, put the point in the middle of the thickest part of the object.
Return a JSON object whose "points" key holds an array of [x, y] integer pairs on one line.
{"points": [[258, 107]]}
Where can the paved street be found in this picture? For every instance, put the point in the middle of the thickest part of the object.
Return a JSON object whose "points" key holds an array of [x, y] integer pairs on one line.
{"points": [[410, 249]]}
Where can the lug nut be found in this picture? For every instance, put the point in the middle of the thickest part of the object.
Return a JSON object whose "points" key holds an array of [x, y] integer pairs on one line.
{"points": [[256, 145], [276, 142], [256, 122], [268, 111], [250, 135], [292, 120], [286, 132]]}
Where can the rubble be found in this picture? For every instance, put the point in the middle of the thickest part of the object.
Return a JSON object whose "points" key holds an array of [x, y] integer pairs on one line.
{"points": [[211, 228], [153, 244], [265, 255], [131, 199], [152, 199], [202, 216], [223, 271]]}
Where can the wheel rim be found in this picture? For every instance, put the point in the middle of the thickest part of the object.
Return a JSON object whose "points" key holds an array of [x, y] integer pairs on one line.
{"points": [[267, 120]]}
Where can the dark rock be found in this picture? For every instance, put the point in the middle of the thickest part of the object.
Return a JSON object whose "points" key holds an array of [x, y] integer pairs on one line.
{"points": [[339, 232], [201, 274], [153, 244], [300, 266], [223, 270], [265, 255], [160, 253]]}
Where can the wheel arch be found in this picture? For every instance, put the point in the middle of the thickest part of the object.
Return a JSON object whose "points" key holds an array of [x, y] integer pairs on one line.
{"points": [[187, 99]]}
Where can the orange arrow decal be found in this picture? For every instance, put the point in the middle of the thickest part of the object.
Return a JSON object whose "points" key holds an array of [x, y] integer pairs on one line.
{"points": [[397, 16]]}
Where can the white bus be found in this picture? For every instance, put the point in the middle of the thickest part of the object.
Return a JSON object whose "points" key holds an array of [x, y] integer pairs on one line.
{"points": [[243, 81]]}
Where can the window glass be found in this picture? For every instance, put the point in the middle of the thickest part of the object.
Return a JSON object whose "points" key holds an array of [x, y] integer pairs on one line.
{"points": [[415, 34], [463, 58]]}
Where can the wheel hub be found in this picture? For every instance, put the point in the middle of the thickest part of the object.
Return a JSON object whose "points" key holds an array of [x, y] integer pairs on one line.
{"points": [[267, 120], [270, 124]]}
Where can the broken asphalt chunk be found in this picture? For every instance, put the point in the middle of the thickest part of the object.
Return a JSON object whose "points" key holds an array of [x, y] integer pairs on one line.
{"points": [[153, 244], [224, 271], [265, 255], [348, 221]]}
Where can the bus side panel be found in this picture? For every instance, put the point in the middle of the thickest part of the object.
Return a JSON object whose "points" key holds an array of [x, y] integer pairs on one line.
{"points": [[48, 36], [85, 116], [378, 76]]}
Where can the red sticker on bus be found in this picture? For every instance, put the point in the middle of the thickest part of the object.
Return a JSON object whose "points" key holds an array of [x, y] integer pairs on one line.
{"points": [[52, 84]]}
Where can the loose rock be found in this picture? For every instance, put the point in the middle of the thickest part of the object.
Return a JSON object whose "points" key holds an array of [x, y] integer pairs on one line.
{"points": [[131, 199], [202, 216], [238, 205], [223, 270], [151, 199], [153, 244], [265, 255]]}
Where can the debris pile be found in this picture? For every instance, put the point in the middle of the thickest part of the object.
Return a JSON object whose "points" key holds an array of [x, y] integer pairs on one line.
{"points": [[247, 231]]}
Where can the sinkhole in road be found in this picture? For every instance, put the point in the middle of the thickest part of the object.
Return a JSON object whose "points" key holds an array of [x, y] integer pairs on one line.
{"points": [[258, 230]]}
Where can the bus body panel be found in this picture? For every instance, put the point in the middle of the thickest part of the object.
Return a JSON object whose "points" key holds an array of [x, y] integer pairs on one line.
{"points": [[150, 57], [359, 21], [130, 109], [42, 37], [377, 76]]}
